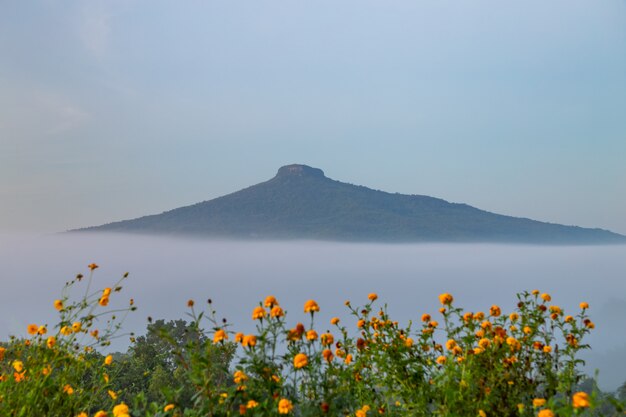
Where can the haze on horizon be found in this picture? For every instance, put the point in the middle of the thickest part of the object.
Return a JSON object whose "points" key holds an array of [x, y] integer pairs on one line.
{"points": [[116, 109]]}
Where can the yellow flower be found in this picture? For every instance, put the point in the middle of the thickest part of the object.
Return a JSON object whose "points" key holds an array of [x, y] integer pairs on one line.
{"points": [[311, 335], [327, 339], [112, 394], [478, 316], [284, 406], [120, 410], [42, 330], [450, 344], [513, 317], [484, 343], [581, 400], [252, 404], [334, 320], [360, 323], [249, 340], [108, 360], [446, 299], [18, 366], [276, 311], [535, 292], [219, 336], [104, 300], [32, 329], [545, 413], [372, 296], [348, 359], [239, 377], [311, 306], [258, 313], [547, 349], [94, 333], [569, 319], [481, 413], [467, 317], [546, 297], [441, 360], [168, 407], [425, 317], [68, 389], [584, 305], [51, 341], [539, 402], [239, 337], [58, 304], [100, 414], [82, 414], [408, 342], [300, 361], [76, 326], [495, 311], [270, 301]]}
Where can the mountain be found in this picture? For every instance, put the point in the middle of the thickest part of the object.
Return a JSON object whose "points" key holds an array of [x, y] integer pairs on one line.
{"points": [[300, 202]]}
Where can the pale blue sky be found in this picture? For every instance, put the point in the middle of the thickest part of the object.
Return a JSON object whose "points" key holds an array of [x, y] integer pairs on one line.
{"points": [[115, 109]]}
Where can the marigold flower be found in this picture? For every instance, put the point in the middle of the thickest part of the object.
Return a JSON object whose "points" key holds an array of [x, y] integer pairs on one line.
{"points": [[18, 366], [539, 402], [239, 377], [527, 330], [258, 313], [425, 317], [327, 354], [360, 323], [327, 339], [76, 326], [348, 359], [467, 317], [513, 317], [100, 413], [546, 297], [112, 394], [120, 410], [584, 305], [408, 342], [276, 311], [441, 360], [252, 404], [42, 330], [311, 306], [547, 349], [284, 406], [94, 333], [450, 344], [58, 304], [32, 328], [190, 303], [239, 337], [51, 341], [433, 323], [108, 360], [495, 311], [2, 350], [581, 400], [82, 414], [446, 299], [481, 413], [545, 413], [590, 325], [334, 320], [270, 301], [372, 296], [168, 407], [92, 266], [311, 335], [104, 300], [249, 340], [219, 336], [300, 361]]}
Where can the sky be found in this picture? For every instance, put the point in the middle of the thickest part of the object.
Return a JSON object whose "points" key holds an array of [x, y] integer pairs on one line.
{"points": [[114, 109]]}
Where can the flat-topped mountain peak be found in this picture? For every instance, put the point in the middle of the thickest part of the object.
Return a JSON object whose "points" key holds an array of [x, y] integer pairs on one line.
{"points": [[299, 170]]}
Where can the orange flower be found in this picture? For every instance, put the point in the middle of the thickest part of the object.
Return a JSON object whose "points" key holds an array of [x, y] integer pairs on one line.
{"points": [[539, 402], [68, 389], [311, 335], [168, 407], [239, 337], [51, 342], [120, 410], [276, 311], [372, 296], [32, 329], [300, 361], [328, 355], [327, 339], [249, 340], [58, 304], [108, 360], [239, 377], [545, 413], [258, 313], [495, 311], [546, 297], [441, 360], [270, 301], [581, 400], [284, 406], [446, 299], [92, 266], [425, 317], [334, 320], [311, 306], [220, 336], [584, 305]]}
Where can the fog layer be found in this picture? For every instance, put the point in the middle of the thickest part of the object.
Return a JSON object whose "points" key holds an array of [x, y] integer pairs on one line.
{"points": [[165, 273]]}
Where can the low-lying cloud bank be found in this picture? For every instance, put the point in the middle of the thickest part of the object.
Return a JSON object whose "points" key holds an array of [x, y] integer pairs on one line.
{"points": [[165, 273]]}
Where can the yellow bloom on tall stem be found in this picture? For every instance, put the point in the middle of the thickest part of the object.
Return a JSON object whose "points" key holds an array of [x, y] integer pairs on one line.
{"points": [[300, 361], [270, 301], [258, 313], [32, 329], [311, 306], [372, 296], [220, 335], [446, 299], [108, 360], [284, 406], [58, 304], [584, 305]]}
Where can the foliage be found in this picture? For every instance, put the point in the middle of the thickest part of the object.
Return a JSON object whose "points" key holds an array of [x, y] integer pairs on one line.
{"points": [[458, 363]]}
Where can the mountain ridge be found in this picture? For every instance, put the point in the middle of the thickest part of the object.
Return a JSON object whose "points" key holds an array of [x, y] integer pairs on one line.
{"points": [[300, 202]]}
